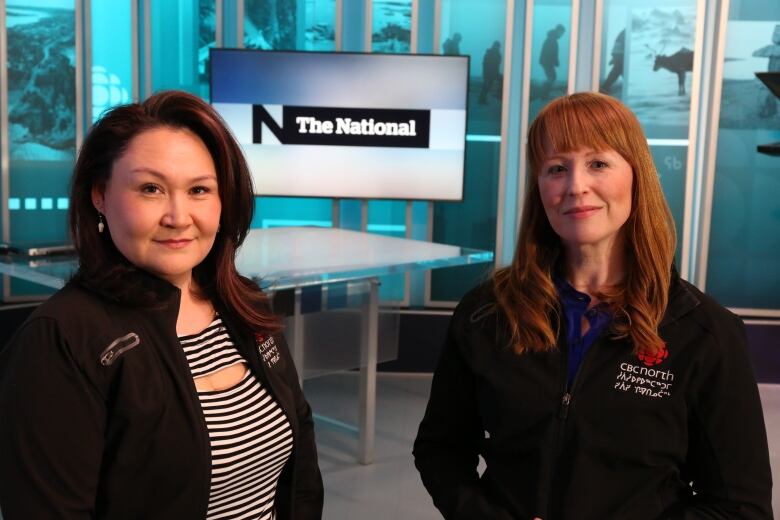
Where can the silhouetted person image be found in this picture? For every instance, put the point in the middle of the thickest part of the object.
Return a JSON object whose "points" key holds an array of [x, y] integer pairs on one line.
{"points": [[548, 58], [618, 53], [451, 46], [772, 51], [491, 65]]}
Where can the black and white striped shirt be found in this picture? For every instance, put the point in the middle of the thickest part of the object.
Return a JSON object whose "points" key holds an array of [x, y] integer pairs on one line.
{"points": [[250, 436]]}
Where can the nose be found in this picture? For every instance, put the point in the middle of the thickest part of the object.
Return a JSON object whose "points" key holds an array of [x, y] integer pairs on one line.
{"points": [[177, 212], [578, 181]]}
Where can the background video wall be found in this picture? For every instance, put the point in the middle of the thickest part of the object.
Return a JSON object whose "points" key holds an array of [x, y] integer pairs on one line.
{"points": [[685, 67]]}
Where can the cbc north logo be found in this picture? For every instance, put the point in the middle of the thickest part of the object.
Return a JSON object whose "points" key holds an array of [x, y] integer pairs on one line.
{"points": [[380, 127]]}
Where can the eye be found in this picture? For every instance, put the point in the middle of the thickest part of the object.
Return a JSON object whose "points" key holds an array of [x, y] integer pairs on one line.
{"points": [[599, 165], [556, 169], [151, 189], [199, 190]]}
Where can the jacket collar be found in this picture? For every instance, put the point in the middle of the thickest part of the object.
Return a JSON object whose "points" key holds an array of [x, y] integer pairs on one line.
{"points": [[144, 281], [681, 300]]}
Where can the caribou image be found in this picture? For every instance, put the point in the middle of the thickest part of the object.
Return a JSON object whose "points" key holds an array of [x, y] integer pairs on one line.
{"points": [[680, 62]]}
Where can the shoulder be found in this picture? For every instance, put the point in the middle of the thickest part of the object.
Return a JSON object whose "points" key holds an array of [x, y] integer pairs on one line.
{"points": [[706, 312], [478, 318], [73, 318], [699, 322], [73, 307], [477, 303], [68, 302]]}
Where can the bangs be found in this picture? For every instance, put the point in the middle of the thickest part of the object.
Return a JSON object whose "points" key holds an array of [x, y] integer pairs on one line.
{"points": [[579, 121]]}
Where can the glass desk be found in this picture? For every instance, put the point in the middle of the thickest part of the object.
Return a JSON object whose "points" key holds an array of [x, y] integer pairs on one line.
{"points": [[292, 258]]}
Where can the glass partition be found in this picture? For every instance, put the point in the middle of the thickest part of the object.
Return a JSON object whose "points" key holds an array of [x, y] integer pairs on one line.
{"points": [[391, 25], [475, 28], [290, 25], [272, 24], [744, 240], [41, 71], [182, 33], [550, 48], [647, 62], [112, 51], [320, 25]]}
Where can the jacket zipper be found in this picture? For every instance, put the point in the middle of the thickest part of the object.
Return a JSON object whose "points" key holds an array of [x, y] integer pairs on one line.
{"points": [[294, 426], [118, 347], [563, 414], [259, 370]]}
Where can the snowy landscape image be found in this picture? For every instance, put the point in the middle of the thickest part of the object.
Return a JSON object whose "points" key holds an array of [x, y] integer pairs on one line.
{"points": [[41, 81], [391, 25], [660, 39]]}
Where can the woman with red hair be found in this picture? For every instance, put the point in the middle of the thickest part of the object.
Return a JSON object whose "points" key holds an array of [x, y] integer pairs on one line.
{"points": [[592, 380]]}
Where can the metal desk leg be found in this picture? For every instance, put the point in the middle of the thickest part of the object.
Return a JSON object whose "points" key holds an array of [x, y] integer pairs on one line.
{"points": [[368, 360]]}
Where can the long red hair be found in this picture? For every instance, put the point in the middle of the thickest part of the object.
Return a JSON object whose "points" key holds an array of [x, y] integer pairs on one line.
{"points": [[525, 291]]}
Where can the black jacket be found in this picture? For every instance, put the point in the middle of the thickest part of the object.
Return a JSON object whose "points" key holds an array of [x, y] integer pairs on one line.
{"points": [[626, 443], [92, 427]]}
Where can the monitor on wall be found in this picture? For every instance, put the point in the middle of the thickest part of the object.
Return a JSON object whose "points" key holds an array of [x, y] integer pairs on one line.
{"points": [[346, 125]]}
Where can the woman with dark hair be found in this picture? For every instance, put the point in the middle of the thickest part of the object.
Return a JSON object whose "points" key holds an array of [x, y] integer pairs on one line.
{"points": [[592, 380], [156, 383]]}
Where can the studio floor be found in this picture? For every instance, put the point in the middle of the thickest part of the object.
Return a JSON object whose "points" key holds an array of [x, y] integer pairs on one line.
{"points": [[390, 489]]}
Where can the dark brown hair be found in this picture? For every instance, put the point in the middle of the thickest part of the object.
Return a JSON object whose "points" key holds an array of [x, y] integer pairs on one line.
{"points": [[102, 266], [525, 290]]}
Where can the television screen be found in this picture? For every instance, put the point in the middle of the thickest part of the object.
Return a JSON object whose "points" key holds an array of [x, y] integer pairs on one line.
{"points": [[316, 124]]}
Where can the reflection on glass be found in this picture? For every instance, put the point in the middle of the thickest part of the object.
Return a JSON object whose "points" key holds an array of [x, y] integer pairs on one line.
{"points": [[476, 28], [320, 21], [391, 26], [550, 43], [270, 24], [41, 80]]}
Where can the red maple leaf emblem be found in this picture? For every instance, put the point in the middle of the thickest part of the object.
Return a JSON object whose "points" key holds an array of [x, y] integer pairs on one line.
{"points": [[649, 359]]}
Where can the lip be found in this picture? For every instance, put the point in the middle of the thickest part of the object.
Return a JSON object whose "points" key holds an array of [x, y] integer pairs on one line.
{"points": [[581, 211], [175, 243]]}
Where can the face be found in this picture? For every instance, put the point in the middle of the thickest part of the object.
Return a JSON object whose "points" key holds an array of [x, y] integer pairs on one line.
{"points": [[161, 203], [586, 195]]}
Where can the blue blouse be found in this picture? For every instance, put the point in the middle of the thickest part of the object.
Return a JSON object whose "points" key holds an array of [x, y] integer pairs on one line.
{"points": [[574, 305]]}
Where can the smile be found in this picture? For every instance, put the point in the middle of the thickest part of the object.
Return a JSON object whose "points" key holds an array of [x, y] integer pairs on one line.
{"points": [[579, 212], [175, 244]]}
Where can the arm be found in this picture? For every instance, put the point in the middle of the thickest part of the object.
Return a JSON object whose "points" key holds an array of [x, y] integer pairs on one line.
{"points": [[447, 446], [51, 428], [309, 490], [728, 458]]}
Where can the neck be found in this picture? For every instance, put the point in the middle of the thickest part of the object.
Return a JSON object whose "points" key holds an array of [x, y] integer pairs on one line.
{"points": [[593, 268]]}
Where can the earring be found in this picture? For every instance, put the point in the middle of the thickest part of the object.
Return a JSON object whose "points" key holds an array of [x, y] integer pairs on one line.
{"points": [[101, 224]]}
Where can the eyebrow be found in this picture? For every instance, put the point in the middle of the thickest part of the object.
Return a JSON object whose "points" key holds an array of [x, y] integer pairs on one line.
{"points": [[159, 175], [564, 155]]}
